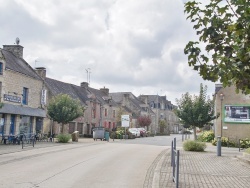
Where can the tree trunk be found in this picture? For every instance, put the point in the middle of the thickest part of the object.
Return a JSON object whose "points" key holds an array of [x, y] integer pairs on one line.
{"points": [[62, 128], [195, 137]]}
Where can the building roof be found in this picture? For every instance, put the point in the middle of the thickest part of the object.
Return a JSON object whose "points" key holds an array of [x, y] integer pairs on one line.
{"points": [[118, 97], [18, 65], [76, 92], [102, 97], [22, 110]]}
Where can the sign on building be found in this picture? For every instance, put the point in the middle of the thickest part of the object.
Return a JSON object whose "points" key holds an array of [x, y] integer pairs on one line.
{"points": [[43, 97], [125, 120], [12, 98], [237, 114]]}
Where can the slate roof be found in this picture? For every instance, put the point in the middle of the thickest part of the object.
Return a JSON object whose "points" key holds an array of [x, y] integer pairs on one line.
{"points": [[18, 65], [22, 110], [118, 97], [76, 92], [101, 96]]}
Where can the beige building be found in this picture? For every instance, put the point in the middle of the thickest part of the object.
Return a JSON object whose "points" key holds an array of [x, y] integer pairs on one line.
{"points": [[21, 94], [234, 122]]}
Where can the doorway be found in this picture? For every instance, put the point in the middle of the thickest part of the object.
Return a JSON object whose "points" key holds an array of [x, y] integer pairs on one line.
{"points": [[12, 124]]}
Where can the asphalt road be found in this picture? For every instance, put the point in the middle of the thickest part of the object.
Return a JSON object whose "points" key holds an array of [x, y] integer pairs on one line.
{"points": [[121, 163]]}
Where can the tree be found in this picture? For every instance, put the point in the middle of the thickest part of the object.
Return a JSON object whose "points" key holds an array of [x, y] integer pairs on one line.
{"points": [[163, 125], [195, 111], [63, 109], [223, 28], [144, 121]]}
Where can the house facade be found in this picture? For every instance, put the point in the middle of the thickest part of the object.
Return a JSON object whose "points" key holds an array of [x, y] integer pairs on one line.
{"points": [[163, 111], [21, 94], [234, 109]]}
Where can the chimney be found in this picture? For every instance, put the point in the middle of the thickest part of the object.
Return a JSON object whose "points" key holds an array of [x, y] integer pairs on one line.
{"points": [[84, 84], [16, 49], [105, 90], [41, 71]]}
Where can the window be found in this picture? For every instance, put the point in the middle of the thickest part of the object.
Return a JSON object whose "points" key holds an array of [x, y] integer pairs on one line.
{"points": [[25, 95], [0, 91], [1, 68], [113, 113], [106, 112]]}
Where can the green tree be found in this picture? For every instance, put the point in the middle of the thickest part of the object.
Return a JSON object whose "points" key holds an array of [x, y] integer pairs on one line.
{"points": [[223, 28], [195, 111], [63, 109], [163, 125]]}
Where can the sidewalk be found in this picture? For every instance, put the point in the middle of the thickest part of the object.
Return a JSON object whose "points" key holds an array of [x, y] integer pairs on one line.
{"points": [[206, 169], [10, 148]]}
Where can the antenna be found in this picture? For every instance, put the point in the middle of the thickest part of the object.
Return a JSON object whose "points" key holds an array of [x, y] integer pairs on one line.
{"points": [[88, 75], [17, 41]]}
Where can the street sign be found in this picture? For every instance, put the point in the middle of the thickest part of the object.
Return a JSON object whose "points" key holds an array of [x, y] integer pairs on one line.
{"points": [[125, 120]]}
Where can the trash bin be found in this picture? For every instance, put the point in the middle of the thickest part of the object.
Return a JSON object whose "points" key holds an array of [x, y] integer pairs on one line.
{"points": [[98, 133], [75, 136], [106, 136]]}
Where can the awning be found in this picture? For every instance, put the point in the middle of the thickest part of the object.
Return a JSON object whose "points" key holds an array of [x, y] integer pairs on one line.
{"points": [[18, 109]]}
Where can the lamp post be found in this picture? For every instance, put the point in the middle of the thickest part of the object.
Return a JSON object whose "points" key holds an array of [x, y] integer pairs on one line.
{"points": [[221, 99]]}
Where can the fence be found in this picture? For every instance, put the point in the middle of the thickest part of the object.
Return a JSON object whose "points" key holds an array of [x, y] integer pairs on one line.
{"points": [[175, 158]]}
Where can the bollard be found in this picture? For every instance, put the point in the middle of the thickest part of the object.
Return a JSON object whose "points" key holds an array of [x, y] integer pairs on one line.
{"points": [[218, 146]]}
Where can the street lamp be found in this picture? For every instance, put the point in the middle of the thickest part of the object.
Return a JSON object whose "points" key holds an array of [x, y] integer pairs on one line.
{"points": [[221, 99]]}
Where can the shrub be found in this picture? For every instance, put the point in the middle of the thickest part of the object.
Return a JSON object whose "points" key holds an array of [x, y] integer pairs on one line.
{"points": [[245, 143], [63, 138], [206, 136], [224, 142], [247, 150], [191, 145]]}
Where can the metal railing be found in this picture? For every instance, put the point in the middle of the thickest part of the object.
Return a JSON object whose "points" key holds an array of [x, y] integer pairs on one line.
{"points": [[175, 158], [27, 140], [185, 136]]}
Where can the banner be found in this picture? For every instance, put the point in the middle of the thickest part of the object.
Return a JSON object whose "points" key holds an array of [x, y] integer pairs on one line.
{"points": [[237, 114]]}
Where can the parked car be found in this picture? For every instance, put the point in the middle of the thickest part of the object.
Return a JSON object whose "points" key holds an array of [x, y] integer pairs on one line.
{"points": [[143, 132], [134, 131]]}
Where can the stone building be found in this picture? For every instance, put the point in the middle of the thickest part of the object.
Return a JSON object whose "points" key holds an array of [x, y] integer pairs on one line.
{"points": [[163, 110], [21, 92], [131, 105], [234, 121]]}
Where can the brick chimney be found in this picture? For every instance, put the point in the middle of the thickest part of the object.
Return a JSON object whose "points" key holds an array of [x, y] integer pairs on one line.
{"points": [[84, 84], [17, 50], [41, 71], [105, 90]]}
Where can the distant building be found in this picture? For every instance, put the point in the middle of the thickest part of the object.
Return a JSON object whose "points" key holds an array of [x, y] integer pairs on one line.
{"points": [[163, 110]]}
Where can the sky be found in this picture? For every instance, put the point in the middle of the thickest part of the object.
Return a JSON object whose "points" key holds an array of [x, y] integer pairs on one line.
{"points": [[124, 45]]}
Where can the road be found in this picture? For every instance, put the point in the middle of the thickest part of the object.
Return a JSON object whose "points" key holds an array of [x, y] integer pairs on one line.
{"points": [[95, 164]]}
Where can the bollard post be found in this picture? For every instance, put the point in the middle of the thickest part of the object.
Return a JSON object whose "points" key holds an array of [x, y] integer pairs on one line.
{"points": [[218, 146]]}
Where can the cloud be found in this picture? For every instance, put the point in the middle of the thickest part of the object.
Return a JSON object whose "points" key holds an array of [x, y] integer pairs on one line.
{"points": [[128, 45]]}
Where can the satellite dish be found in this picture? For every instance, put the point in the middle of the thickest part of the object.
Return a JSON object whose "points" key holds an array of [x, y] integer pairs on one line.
{"points": [[17, 41]]}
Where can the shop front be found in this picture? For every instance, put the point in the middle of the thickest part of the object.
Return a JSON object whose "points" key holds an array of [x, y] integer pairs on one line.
{"points": [[16, 120]]}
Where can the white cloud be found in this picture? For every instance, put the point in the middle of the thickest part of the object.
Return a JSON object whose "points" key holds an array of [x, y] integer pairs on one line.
{"points": [[128, 45]]}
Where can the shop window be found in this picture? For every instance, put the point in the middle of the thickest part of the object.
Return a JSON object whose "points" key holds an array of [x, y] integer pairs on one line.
{"points": [[25, 95]]}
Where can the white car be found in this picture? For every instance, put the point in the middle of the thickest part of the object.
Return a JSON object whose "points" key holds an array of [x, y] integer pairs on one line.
{"points": [[134, 132]]}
